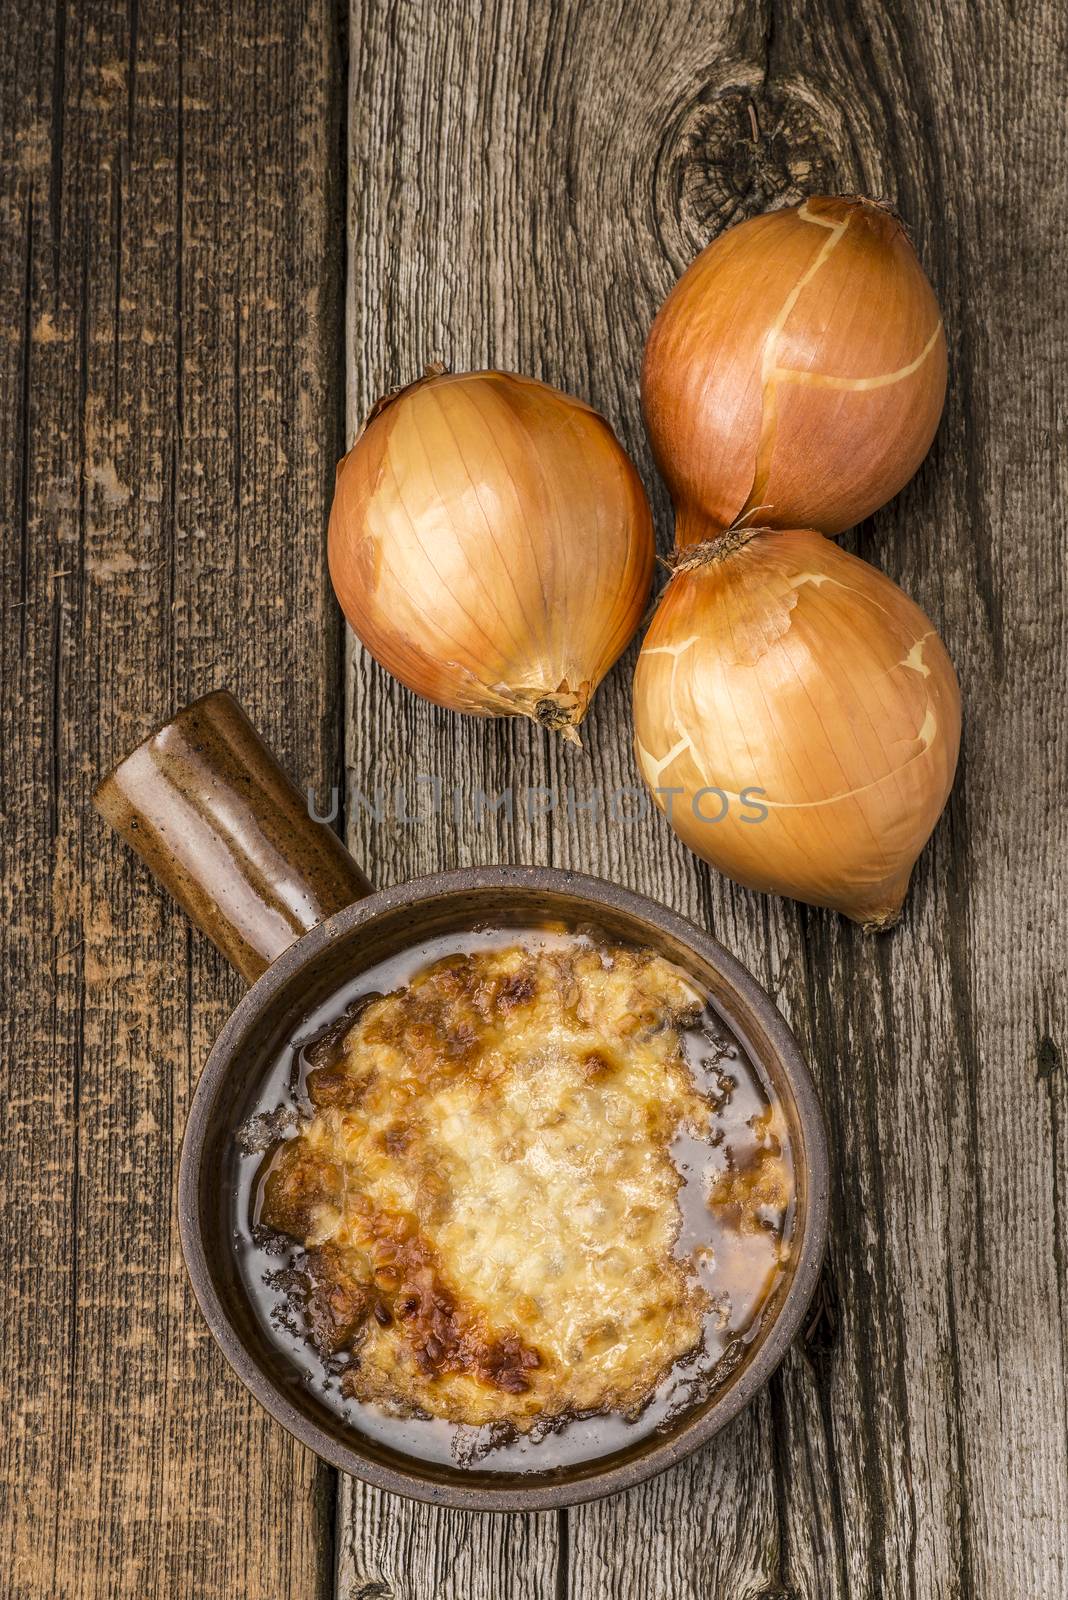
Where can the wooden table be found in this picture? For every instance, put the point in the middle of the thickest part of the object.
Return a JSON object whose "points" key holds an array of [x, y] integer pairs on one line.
{"points": [[525, 181]]}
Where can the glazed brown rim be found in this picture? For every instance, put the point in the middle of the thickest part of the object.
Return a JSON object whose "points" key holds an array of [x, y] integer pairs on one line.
{"points": [[688, 1436]]}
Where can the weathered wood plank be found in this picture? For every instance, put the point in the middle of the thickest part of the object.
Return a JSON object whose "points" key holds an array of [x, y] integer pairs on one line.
{"points": [[525, 184], [470, 243], [169, 416]]}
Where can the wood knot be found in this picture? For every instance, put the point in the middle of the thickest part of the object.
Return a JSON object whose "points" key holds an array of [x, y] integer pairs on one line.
{"points": [[1049, 1058], [820, 1335], [734, 151]]}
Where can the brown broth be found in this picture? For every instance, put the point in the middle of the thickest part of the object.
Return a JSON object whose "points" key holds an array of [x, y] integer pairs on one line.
{"points": [[740, 1269]]}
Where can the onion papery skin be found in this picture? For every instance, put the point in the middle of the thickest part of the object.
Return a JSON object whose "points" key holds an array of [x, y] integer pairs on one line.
{"points": [[491, 544], [798, 367], [786, 665]]}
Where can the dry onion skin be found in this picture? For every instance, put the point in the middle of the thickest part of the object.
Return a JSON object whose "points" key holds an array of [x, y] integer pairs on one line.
{"points": [[779, 663], [795, 375], [491, 544]]}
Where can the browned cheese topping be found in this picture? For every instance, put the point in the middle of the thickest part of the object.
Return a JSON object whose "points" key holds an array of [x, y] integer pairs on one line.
{"points": [[486, 1190]]}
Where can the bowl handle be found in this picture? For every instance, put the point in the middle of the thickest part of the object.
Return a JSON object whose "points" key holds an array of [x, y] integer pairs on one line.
{"points": [[204, 802]]}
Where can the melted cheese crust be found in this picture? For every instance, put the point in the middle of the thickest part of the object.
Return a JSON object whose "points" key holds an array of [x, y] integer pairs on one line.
{"points": [[486, 1188]]}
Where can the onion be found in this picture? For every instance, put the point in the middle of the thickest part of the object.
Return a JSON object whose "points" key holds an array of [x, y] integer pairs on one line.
{"points": [[491, 544], [796, 373], [783, 676]]}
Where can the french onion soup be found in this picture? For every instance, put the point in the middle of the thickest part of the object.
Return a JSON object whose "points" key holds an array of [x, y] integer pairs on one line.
{"points": [[515, 1197]]}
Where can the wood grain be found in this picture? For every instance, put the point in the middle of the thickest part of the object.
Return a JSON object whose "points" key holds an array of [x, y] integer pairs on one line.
{"points": [[525, 184], [170, 299]]}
